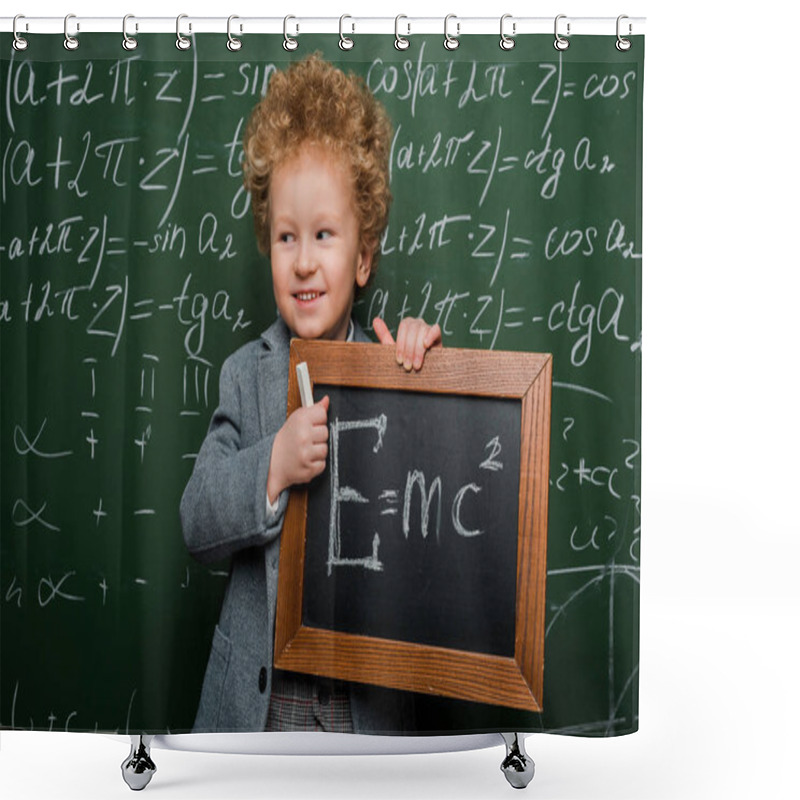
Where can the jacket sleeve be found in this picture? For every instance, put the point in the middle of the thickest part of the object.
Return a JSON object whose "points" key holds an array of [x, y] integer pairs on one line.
{"points": [[224, 505]]}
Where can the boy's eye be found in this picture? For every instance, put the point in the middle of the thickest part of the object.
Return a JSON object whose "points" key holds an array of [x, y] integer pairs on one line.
{"points": [[285, 237], [324, 235]]}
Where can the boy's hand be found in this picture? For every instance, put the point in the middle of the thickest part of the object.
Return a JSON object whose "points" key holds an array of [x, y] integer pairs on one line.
{"points": [[414, 338], [300, 449]]}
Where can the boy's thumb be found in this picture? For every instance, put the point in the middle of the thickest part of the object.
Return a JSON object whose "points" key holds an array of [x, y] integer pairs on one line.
{"points": [[382, 331], [325, 402]]}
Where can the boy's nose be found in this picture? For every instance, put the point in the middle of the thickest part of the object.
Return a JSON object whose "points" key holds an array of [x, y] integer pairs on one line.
{"points": [[305, 263]]}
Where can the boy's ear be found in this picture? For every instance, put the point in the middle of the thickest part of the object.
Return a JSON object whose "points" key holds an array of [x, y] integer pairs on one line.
{"points": [[364, 268]]}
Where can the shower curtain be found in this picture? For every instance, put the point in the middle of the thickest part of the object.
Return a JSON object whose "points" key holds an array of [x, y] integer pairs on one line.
{"points": [[129, 272]]}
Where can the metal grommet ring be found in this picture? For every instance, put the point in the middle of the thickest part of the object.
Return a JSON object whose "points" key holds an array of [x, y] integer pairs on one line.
{"points": [[288, 42], [70, 42], [128, 42], [400, 42], [451, 42], [622, 44], [233, 44], [181, 42], [560, 42], [20, 43], [506, 42], [345, 43]]}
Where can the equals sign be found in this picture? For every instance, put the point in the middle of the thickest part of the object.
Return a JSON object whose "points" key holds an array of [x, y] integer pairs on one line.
{"points": [[392, 497], [516, 323], [569, 89], [202, 170], [116, 240], [510, 162], [142, 304], [524, 243]]}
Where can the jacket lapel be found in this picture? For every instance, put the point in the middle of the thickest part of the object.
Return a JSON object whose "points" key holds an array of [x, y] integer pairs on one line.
{"points": [[273, 368]]}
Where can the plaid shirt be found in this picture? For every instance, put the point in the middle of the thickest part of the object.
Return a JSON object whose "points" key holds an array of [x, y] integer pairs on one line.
{"points": [[307, 703]]}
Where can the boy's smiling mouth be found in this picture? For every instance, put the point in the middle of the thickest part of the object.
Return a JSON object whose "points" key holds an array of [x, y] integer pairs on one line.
{"points": [[307, 297]]}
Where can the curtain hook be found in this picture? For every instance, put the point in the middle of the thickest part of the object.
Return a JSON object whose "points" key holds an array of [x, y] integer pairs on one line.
{"points": [[507, 42], [19, 43], [623, 44], [451, 42], [400, 42], [345, 43], [182, 43], [70, 42], [234, 44], [128, 42], [288, 42], [561, 43]]}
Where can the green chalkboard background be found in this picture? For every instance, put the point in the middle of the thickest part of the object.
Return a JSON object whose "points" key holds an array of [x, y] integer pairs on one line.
{"points": [[128, 272]]}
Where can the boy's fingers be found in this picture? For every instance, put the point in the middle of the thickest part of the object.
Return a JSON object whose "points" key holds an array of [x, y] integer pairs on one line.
{"points": [[319, 454], [382, 331], [405, 344], [414, 338], [319, 434], [419, 347], [318, 413], [433, 336]]}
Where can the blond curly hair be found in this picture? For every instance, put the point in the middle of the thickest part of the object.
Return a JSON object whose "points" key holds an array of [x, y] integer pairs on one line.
{"points": [[314, 102]]}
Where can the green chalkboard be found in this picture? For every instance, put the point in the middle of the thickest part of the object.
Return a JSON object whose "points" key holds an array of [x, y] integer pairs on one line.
{"points": [[129, 271]]}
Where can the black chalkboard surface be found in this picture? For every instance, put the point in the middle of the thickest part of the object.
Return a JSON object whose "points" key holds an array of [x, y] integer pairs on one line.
{"points": [[426, 487], [417, 559]]}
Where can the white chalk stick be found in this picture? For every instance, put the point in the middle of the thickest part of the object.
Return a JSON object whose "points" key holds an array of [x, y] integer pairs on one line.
{"points": [[304, 382]]}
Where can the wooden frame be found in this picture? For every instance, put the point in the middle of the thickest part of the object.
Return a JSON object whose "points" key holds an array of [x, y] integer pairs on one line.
{"points": [[513, 682]]}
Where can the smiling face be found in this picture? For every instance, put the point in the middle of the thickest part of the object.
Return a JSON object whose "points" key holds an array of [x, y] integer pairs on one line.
{"points": [[317, 255]]}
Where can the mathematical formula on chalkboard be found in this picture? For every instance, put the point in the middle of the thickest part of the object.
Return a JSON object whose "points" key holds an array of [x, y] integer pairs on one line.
{"points": [[425, 493]]}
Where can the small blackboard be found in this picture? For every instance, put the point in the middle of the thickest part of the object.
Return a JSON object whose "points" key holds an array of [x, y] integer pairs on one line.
{"points": [[417, 559], [400, 529]]}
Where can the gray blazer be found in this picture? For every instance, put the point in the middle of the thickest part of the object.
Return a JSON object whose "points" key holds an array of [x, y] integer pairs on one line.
{"points": [[224, 515]]}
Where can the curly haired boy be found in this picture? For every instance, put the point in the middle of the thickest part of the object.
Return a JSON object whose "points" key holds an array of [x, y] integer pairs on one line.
{"points": [[317, 168]]}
